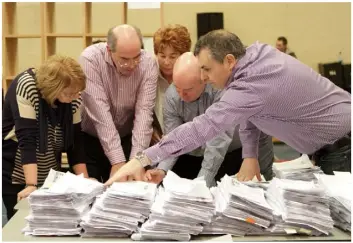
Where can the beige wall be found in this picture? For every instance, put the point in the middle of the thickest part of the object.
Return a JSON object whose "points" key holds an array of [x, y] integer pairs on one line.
{"points": [[105, 16], [316, 31], [148, 20]]}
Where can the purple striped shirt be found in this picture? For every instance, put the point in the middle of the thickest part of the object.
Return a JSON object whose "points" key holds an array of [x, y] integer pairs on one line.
{"points": [[115, 105], [272, 92]]}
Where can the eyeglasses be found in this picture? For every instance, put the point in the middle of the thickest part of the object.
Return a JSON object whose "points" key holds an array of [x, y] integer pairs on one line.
{"points": [[127, 62]]}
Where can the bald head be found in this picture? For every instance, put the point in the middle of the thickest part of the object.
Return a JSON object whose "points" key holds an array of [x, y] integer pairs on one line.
{"points": [[186, 69], [124, 36], [187, 77]]}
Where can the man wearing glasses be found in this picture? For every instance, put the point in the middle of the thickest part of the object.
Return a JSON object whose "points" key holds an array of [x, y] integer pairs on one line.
{"points": [[118, 100]]}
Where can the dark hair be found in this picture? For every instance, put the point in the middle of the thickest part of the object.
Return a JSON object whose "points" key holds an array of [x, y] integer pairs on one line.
{"points": [[283, 39], [220, 43]]}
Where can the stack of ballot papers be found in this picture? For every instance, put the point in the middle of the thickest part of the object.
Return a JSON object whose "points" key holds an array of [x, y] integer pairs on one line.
{"points": [[240, 209], [179, 210], [299, 169], [301, 207], [339, 189], [58, 209], [119, 210]]}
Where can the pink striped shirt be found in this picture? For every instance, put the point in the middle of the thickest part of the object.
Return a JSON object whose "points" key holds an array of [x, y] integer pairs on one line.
{"points": [[115, 105]]}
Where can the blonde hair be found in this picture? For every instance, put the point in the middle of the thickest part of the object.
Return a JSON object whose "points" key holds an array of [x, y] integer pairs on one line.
{"points": [[57, 73]]}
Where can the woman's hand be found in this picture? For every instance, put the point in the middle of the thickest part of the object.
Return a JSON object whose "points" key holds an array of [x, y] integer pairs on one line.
{"points": [[25, 192]]}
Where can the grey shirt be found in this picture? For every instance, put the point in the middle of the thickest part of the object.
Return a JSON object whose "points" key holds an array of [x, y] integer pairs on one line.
{"points": [[177, 112]]}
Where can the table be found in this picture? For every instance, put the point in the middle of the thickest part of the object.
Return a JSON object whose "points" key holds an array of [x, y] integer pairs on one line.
{"points": [[12, 232], [23, 204]]}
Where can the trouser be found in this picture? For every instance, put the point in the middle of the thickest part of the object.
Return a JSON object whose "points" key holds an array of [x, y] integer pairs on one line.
{"points": [[98, 165], [188, 166], [336, 157], [9, 196]]}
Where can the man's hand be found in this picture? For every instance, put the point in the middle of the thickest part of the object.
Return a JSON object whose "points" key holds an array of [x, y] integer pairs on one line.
{"points": [[25, 192], [115, 168], [154, 175], [249, 168], [132, 169]]}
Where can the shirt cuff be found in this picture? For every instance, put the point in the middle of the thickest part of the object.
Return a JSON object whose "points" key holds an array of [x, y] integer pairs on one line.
{"points": [[209, 176], [134, 151], [116, 156], [166, 164], [250, 152], [155, 154]]}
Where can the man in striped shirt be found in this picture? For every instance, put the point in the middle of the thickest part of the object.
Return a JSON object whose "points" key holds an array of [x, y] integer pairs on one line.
{"points": [[265, 90], [118, 100]]}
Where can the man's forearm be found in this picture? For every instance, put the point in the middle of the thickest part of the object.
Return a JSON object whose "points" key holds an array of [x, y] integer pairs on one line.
{"points": [[30, 172], [80, 169], [249, 136], [209, 176], [141, 135]]}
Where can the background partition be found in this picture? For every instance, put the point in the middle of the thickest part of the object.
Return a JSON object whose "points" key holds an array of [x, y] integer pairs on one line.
{"points": [[316, 32]]}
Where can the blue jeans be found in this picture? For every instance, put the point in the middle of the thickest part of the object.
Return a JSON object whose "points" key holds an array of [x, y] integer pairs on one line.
{"points": [[339, 160]]}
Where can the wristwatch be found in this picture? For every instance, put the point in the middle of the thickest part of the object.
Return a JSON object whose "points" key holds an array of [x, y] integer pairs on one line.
{"points": [[34, 185], [141, 157]]}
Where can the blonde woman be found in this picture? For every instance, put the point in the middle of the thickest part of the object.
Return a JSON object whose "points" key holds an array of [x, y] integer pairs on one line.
{"points": [[41, 119]]}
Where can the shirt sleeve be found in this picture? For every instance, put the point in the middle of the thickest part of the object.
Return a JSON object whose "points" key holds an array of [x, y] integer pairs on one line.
{"points": [[25, 119], [249, 136], [76, 154], [146, 97], [98, 110], [235, 107], [171, 121], [215, 152]]}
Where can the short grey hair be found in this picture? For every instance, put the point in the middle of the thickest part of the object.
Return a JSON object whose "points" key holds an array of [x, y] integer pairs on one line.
{"points": [[112, 38], [220, 43]]}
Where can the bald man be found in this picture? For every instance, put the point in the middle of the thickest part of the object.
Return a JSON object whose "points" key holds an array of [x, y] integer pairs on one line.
{"points": [[118, 100], [187, 98]]}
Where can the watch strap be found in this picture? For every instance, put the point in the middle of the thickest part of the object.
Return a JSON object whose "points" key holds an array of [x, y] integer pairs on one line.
{"points": [[35, 185]]}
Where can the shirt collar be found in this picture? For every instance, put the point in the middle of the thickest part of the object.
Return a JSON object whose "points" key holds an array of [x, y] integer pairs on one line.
{"points": [[241, 64], [107, 57]]}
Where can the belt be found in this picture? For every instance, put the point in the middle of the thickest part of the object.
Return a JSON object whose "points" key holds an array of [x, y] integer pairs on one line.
{"points": [[345, 140]]}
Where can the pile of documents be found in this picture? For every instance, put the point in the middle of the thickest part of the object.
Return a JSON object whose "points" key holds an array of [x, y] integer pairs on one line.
{"points": [[240, 209], [57, 210], [303, 206], [299, 169], [339, 189], [119, 210], [179, 210]]}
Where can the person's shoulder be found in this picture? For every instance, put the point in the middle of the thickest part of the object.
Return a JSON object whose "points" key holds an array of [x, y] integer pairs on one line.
{"points": [[171, 93], [94, 51], [148, 59], [26, 84], [213, 92]]}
